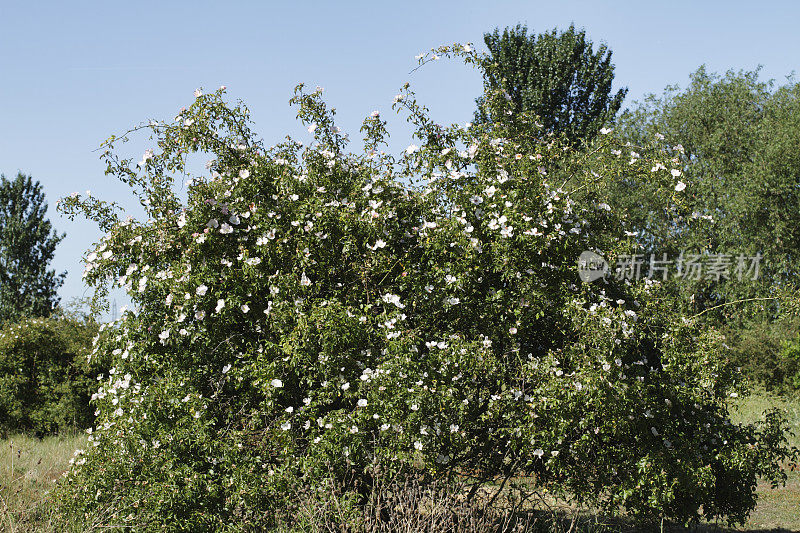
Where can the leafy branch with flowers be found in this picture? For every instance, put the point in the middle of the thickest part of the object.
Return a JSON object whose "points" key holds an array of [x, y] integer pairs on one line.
{"points": [[310, 313]]}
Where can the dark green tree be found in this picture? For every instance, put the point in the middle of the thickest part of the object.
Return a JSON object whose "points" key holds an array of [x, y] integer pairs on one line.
{"points": [[557, 76], [737, 139], [46, 378], [28, 287]]}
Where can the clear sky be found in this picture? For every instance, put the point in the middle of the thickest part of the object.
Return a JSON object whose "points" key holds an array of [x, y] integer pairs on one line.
{"points": [[73, 73]]}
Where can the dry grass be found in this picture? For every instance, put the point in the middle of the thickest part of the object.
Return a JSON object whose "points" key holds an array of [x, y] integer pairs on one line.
{"points": [[402, 506], [778, 509], [29, 468]]}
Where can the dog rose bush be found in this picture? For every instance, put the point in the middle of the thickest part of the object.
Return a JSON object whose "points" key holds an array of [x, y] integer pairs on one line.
{"points": [[306, 312]]}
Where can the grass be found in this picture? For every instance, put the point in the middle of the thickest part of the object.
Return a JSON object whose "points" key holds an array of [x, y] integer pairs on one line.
{"points": [[778, 509], [29, 468]]}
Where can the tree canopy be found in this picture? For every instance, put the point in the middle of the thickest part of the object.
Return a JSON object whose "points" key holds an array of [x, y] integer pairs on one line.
{"points": [[737, 138], [557, 76], [28, 286]]}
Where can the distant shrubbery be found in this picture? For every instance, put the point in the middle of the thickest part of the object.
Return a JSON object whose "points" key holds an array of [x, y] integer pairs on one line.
{"points": [[769, 354], [45, 378]]}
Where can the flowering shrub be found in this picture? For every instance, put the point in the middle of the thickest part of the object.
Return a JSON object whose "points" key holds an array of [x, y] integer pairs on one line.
{"points": [[307, 313]]}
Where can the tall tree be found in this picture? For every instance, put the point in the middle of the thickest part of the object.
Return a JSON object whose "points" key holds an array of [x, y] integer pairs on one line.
{"points": [[28, 287], [737, 140], [557, 76]]}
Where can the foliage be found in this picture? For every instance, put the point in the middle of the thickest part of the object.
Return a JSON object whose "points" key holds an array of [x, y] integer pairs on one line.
{"points": [[791, 355], [308, 315], [45, 379], [737, 139], [27, 243], [557, 76], [769, 354]]}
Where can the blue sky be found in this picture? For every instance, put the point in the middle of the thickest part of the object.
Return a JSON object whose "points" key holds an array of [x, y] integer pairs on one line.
{"points": [[73, 73]]}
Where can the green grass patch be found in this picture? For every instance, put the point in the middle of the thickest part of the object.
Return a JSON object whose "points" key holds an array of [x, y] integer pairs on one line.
{"points": [[778, 509], [29, 469]]}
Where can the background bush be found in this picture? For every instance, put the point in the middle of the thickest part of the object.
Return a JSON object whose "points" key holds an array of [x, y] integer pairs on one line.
{"points": [[45, 378], [769, 354]]}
